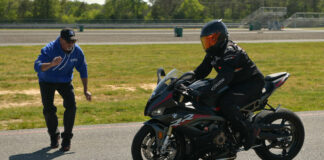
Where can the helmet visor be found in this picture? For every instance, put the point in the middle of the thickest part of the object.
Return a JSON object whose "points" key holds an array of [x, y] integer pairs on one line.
{"points": [[210, 40]]}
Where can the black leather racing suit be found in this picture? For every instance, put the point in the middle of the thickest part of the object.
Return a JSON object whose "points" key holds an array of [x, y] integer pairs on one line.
{"points": [[237, 71]]}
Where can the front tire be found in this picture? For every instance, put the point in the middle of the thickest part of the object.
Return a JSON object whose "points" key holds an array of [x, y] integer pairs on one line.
{"points": [[282, 148], [144, 146]]}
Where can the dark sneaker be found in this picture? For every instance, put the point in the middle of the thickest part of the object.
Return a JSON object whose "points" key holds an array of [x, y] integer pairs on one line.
{"points": [[66, 142], [55, 140], [65, 149], [66, 145]]}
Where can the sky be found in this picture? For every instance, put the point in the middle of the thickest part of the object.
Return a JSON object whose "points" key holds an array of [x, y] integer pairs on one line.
{"points": [[97, 1]]}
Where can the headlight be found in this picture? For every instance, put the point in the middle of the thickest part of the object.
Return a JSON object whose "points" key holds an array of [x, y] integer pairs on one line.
{"points": [[158, 112]]}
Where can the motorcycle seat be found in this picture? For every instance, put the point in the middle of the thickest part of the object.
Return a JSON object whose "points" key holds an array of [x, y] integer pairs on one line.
{"points": [[275, 76]]}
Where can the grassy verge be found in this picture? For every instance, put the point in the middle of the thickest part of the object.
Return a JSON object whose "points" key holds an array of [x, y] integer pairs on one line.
{"points": [[117, 74]]}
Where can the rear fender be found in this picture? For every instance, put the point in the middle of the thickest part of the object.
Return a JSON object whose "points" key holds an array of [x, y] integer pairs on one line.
{"points": [[263, 114], [260, 116]]}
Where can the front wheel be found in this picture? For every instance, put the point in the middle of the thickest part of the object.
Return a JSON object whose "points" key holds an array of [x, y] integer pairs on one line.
{"points": [[282, 148], [144, 146]]}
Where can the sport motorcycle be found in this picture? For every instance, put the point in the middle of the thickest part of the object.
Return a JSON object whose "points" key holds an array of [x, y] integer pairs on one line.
{"points": [[182, 129]]}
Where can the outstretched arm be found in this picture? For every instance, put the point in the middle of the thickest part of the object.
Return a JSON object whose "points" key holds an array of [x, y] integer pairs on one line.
{"points": [[85, 88], [204, 68]]}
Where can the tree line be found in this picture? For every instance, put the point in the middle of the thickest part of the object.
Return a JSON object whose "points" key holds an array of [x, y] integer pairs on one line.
{"points": [[66, 11]]}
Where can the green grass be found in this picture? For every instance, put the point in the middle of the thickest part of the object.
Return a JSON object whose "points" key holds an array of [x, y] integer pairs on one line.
{"points": [[127, 67]]}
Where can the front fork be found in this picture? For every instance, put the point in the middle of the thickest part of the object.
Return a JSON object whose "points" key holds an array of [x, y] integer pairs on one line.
{"points": [[163, 139], [166, 140]]}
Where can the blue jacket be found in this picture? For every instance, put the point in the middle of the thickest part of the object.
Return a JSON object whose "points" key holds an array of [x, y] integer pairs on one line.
{"points": [[63, 72]]}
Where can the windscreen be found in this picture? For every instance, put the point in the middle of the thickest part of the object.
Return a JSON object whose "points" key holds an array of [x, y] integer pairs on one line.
{"points": [[166, 81]]}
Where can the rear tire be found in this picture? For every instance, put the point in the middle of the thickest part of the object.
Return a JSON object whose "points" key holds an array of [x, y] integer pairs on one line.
{"points": [[144, 145], [290, 146]]}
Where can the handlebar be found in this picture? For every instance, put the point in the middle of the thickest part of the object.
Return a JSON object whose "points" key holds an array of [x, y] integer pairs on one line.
{"points": [[185, 78]]}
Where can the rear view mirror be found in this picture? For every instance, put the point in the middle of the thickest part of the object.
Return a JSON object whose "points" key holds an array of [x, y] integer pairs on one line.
{"points": [[160, 72]]}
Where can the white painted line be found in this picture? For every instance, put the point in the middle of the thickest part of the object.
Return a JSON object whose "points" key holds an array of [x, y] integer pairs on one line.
{"points": [[153, 32], [96, 34]]}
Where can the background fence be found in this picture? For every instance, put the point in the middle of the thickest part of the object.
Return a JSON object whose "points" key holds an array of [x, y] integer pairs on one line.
{"points": [[305, 19], [266, 17], [107, 23]]}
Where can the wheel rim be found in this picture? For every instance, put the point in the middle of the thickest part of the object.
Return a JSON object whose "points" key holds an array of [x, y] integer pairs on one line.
{"points": [[281, 147], [150, 151]]}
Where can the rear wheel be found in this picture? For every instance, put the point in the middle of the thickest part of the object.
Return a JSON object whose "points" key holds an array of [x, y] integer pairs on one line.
{"points": [[144, 146], [282, 148]]}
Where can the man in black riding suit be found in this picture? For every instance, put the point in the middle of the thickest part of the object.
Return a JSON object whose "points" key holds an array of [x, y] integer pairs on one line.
{"points": [[236, 71]]}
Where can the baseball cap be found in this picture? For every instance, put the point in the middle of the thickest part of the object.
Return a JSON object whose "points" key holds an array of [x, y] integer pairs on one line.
{"points": [[68, 34]]}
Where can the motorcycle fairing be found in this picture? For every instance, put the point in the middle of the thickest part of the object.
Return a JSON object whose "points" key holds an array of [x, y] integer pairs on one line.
{"points": [[165, 100]]}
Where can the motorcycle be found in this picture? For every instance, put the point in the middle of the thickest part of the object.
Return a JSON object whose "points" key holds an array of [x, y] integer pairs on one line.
{"points": [[180, 128]]}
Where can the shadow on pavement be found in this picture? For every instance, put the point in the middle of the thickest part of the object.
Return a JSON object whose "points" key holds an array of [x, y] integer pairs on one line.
{"points": [[38, 155]]}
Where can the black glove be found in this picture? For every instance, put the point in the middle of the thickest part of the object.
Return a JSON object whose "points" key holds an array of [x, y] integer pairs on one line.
{"points": [[181, 88], [181, 93], [188, 77], [195, 95]]}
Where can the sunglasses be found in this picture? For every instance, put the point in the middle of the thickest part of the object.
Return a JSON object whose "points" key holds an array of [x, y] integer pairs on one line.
{"points": [[71, 41]]}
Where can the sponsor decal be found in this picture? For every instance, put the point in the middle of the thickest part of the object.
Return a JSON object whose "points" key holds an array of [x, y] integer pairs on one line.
{"points": [[179, 121], [74, 60]]}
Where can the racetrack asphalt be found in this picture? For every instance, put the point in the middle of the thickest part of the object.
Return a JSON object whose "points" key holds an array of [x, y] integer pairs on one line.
{"points": [[113, 142], [154, 36]]}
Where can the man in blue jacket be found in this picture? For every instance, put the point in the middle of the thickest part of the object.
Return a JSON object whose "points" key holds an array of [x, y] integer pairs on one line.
{"points": [[55, 72]]}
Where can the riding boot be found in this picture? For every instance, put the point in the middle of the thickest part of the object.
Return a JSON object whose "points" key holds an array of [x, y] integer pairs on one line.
{"points": [[246, 129], [250, 134]]}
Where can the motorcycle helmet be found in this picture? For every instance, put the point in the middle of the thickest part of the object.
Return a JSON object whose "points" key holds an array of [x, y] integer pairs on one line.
{"points": [[214, 37]]}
